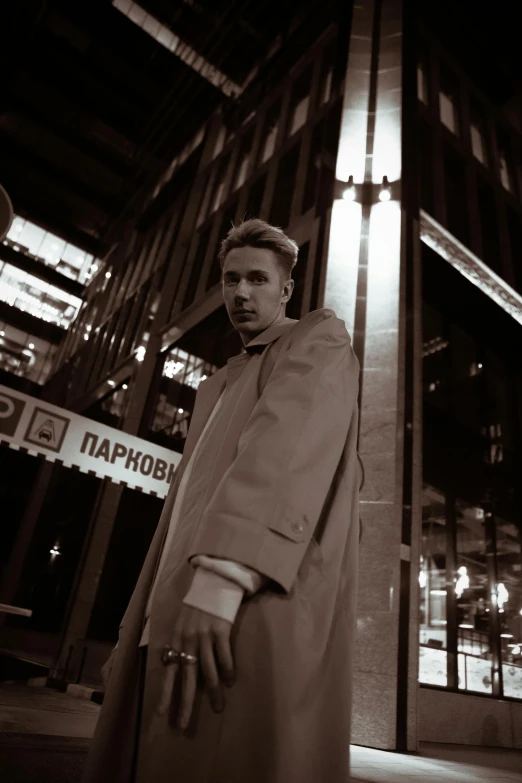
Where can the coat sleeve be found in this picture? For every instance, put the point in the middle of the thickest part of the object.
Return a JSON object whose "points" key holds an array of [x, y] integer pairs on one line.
{"points": [[265, 509]]}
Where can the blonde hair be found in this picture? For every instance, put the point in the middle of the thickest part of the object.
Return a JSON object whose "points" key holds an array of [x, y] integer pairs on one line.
{"points": [[258, 233]]}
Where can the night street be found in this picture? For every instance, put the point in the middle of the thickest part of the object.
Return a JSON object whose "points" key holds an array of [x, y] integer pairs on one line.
{"points": [[44, 738]]}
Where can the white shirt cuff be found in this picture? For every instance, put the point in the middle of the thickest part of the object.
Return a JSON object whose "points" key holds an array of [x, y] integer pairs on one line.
{"points": [[250, 580], [214, 594]]}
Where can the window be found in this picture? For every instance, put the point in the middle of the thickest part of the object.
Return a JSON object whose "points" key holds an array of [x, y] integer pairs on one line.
{"points": [[224, 227], [472, 597], [427, 195], [243, 160], [182, 373], [36, 297], [111, 408], [197, 266], [50, 249], [448, 103], [218, 195], [314, 168], [270, 132], [478, 135], [505, 162], [433, 635], [281, 207], [470, 574], [24, 354], [327, 72], [220, 142], [422, 84], [300, 101]]}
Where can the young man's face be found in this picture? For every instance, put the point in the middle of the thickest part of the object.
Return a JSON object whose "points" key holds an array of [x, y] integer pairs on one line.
{"points": [[251, 281]]}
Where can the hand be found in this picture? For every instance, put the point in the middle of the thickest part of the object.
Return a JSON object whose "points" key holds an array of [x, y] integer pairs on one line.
{"points": [[107, 668], [202, 634]]}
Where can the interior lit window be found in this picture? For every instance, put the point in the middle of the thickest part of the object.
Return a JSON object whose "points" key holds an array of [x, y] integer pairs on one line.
{"points": [[220, 141], [244, 160], [448, 111], [181, 376], [448, 102], [270, 132], [478, 142], [31, 240], [505, 164], [218, 195], [300, 102], [32, 295], [24, 354]]}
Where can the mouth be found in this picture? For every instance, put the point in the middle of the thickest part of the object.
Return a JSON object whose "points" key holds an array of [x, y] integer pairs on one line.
{"points": [[243, 312]]}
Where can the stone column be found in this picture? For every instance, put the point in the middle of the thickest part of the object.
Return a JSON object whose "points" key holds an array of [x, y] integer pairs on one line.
{"points": [[367, 267]]}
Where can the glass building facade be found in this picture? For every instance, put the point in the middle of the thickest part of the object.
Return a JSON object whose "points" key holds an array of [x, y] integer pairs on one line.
{"points": [[470, 575]]}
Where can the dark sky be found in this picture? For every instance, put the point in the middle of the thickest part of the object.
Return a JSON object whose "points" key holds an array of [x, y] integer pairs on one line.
{"points": [[485, 37]]}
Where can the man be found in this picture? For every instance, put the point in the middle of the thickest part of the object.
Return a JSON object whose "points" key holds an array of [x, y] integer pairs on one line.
{"points": [[251, 578]]}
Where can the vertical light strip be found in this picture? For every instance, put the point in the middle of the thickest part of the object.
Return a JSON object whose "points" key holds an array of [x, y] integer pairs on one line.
{"points": [[342, 263]]}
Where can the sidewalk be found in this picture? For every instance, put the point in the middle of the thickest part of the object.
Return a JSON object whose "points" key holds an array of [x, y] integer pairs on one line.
{"points": [[44, 736]]}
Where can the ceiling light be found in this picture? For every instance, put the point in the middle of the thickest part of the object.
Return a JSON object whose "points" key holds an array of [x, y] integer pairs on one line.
{"points": [[111, 383], [125, 386], [385, 192], [349, 191]]}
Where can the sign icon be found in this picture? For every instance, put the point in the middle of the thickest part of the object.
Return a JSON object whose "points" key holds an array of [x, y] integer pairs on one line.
{"points": [[47, 429], [11, 409]]}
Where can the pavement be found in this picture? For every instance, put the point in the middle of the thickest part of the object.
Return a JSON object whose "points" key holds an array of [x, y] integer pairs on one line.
{"points": [[45, 736]]}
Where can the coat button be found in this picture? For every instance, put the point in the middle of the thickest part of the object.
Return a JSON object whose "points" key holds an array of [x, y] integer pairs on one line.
{"points": [[297, 527]]}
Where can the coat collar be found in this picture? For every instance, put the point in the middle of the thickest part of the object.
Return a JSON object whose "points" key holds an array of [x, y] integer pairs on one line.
{"points": [[211, 389], [256, 345], [227, 375]]}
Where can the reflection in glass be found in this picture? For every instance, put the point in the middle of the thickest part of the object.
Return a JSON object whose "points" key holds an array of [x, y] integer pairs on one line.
{"points": [[473, 600], [509, 601], [432, 584]]}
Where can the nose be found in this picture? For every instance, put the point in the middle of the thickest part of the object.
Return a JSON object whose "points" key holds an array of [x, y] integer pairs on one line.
{"points": [[241, 293]]}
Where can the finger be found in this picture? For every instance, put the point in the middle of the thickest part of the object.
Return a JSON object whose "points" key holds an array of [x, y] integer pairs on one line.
{"points": [[189, 676], [226, 661], [210, 672], [169, 678]]}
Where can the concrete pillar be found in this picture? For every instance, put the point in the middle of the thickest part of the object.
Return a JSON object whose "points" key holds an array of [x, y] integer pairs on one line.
{"points": [[366, 285]]}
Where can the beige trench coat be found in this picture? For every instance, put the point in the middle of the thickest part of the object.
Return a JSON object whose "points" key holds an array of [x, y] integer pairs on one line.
{"points": [[281, 496]]}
